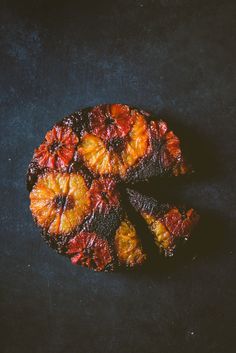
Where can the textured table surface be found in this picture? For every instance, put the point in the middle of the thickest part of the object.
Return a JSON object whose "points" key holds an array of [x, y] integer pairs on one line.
{"points": [[176, 59]]}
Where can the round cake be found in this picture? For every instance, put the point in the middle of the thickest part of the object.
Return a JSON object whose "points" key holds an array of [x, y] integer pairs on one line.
{"points": [[78, 176]]}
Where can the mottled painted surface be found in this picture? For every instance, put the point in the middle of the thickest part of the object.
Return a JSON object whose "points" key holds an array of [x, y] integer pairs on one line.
{"points": [[177, 59]]}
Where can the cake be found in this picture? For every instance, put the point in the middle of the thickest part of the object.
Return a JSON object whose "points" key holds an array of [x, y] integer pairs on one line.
{"points": [[168, 224], [77, 177]]}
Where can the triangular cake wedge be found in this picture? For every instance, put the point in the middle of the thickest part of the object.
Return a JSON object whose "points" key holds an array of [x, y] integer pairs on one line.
{"points": [[168, 223]]}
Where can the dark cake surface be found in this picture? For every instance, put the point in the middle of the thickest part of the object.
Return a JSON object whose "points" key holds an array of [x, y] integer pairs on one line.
{"points": [[75, 180]]}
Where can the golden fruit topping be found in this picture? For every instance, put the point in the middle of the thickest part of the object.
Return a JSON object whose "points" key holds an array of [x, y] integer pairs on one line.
{"points": [[114, 156], [59, 202], [128, 247]]}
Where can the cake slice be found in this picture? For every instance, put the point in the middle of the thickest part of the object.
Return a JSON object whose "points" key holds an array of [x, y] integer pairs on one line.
{"points": [[167, 223]]}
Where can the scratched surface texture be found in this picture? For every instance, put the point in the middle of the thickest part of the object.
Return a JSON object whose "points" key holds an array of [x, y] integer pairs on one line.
{"points": [[176, 59]]}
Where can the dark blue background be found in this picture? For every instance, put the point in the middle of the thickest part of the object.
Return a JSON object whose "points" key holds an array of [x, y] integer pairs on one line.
{"points": [[175, 58]]}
